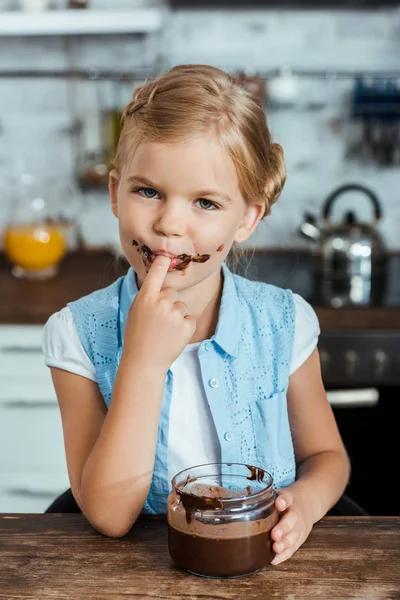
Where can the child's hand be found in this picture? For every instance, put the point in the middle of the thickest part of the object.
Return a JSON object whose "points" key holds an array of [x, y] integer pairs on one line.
{"points": [[293, 527], [158, 326]]}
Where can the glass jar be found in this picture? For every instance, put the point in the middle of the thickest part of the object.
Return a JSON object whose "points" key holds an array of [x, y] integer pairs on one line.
{"points": [[34, 238], [220, 517]]}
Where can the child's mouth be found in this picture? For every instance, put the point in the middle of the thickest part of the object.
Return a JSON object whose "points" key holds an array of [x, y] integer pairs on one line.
{"points": [[178, 263]]}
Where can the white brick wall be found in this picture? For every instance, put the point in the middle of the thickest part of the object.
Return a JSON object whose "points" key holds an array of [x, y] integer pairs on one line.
{"points": [[35, 116]]}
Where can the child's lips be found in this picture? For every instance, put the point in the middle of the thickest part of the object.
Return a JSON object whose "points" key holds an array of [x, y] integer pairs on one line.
{"points": [[179, 262], [175, 261], [150, 256]]}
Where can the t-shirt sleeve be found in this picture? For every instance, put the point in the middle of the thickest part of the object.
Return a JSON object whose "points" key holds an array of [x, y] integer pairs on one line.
{"points": [[306, 335], [62, 347]]}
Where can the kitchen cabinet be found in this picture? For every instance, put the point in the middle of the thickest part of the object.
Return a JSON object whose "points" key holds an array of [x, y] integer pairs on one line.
{"points": [[32, 459]]}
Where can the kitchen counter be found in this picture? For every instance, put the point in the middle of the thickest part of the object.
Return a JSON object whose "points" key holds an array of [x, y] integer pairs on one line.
{"points": [[32, 302], [61, 556]]}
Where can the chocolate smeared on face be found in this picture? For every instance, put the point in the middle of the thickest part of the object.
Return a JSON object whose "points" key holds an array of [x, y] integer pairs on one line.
{"points": [[185, 259], [135, 243], [220, 248], [146, 251], [257, 474], [183, 265]]}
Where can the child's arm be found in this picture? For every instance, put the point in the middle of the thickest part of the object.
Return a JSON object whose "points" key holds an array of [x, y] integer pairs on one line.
{"points": [[322, 464], [110, 455]]}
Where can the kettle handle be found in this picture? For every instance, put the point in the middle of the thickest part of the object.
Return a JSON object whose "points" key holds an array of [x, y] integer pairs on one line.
{"points": [[348, 187]]}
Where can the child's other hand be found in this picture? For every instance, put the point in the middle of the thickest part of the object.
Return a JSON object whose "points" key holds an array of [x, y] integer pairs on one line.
{"points": [[293, 527], [158, 326]]}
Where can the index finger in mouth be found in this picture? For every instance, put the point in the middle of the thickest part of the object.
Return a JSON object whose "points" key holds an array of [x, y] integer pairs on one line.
{"points": [[155, 277]]}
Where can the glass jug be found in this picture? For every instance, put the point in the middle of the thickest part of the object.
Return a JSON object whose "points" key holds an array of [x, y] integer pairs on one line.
{"points": [[35, 237]]}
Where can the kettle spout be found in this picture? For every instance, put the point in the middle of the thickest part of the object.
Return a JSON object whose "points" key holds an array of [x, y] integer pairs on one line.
{"points": [[309, 228]]}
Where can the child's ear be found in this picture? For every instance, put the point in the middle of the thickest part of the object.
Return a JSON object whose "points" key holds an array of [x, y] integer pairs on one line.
{"points": [[253, 215], [113, 183]]}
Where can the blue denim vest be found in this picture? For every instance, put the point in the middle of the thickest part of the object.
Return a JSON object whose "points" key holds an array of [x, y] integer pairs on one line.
{"points": [[244, 368]]}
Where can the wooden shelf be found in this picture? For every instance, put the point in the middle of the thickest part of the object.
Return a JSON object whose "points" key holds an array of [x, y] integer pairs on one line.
{"points": [[80, 22]]}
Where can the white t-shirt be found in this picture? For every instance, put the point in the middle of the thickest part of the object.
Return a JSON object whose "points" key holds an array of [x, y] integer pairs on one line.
{"points": [[192, 437]]}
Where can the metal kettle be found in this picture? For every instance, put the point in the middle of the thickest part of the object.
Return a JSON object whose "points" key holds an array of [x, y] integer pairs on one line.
{"points": [[352, 258]]}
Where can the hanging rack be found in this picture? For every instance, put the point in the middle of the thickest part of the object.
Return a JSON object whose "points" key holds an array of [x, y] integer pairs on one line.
{"points": [[143, 72], [84, 74]]}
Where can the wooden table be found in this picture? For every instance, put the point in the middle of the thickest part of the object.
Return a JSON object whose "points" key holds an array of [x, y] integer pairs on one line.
{"points": [[63, 557]]}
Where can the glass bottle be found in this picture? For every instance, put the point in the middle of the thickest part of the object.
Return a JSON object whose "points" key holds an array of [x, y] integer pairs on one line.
{"points": [[92, 168], [34, 240], [219, 519]]}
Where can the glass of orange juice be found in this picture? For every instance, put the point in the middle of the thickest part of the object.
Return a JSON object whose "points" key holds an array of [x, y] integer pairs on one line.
{"points": [[33, 240]]}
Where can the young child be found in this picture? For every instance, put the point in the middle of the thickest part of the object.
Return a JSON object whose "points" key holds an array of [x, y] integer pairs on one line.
{"points": [[181, 362]]}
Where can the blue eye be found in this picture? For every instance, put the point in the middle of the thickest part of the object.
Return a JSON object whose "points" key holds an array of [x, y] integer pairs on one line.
{"points": [[146, 192], [207, 204]]}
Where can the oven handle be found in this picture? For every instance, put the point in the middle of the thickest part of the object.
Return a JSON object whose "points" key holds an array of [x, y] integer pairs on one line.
{"points": [[353, 398]]}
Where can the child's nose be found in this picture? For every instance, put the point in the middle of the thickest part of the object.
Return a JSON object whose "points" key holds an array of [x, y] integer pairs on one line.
{"points": [[171, 220]]}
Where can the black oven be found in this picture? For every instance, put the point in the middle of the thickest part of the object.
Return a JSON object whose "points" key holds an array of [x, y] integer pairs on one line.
{"points": [[361, 371]]}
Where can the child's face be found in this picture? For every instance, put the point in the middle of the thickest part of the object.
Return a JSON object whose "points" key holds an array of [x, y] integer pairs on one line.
{"points": [[182, 200]]}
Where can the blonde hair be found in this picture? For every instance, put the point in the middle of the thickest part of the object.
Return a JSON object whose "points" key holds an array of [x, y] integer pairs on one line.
{"points": [[190, 100]]}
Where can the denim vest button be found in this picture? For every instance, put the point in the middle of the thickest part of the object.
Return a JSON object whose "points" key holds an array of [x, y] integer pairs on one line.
{"points": [[214, 383], [229, 436]]}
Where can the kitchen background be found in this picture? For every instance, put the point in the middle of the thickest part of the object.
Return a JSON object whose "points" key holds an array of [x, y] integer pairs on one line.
{"points": [[312, 117], [329, 78]]}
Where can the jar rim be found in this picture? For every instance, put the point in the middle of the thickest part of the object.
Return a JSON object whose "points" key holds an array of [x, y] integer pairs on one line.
{"points": [[226, 500]]}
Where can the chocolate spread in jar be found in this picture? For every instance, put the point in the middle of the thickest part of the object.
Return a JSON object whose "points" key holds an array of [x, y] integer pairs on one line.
{"points": [[256, 474], [219, 547], [219, 557]]}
